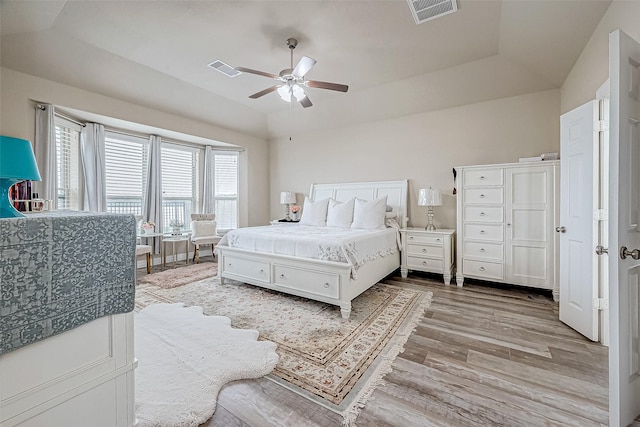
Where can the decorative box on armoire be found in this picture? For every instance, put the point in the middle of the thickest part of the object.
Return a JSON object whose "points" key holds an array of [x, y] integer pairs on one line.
{"points": [[507, 215]]}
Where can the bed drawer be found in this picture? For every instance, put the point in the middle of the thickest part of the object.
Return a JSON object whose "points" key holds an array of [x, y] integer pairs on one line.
{"points": [[425, 264], [478, 196], [242, 267], [483, 214], [489, 270], [424, 250], [313, 282], [424, 240], [477, 177]]}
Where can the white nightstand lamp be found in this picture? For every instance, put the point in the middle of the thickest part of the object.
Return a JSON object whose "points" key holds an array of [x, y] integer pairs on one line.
{"points": [[429, 197], [287, 198]]}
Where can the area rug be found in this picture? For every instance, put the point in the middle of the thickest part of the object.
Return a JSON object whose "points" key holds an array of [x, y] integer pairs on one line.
{"points": [[185, 357], [179, 276], [321, 354]]}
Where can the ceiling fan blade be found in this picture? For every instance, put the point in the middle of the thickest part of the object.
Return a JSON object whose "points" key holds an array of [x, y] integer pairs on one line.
{"points": [[260, 73], [326, 85], [305, 102], [264, 92], [303, 66]]}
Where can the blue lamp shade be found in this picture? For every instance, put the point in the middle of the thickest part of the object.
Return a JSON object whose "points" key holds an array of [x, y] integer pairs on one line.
{"points": [[17, 163]]}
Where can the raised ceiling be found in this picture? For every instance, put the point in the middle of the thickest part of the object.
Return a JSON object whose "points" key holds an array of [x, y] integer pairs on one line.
{"points": [[155, 53]]}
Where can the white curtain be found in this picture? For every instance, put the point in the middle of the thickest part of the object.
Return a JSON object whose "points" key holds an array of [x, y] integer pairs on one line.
{"points": [[93, 164], [208, 196], [45, 151], [152, 206]]}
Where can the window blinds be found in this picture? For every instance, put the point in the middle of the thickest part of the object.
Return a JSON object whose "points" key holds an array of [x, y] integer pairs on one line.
{"points": [[68, 162], [126, 170], [180, 172], [226, 189]]}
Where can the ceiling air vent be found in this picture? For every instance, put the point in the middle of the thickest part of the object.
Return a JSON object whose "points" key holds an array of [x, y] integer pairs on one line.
{"points": [[426, 10], [225, 69]]}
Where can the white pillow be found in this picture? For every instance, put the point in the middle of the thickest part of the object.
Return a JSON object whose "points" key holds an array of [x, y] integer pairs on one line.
{"points": [[369, 214], [314, 213], [340, 214]]}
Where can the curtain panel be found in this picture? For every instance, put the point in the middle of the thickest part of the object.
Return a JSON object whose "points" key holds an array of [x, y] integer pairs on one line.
{"points": [[45, 152], [152, 206], [93, 162]]}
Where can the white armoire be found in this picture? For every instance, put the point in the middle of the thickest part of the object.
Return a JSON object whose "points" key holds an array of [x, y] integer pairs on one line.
{"points": [[507, 214]]}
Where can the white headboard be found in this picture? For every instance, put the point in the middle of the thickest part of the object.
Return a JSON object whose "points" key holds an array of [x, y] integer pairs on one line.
{"points": [[396, 192]]}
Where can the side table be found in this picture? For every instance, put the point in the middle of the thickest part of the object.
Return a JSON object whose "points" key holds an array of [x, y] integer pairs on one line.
{"points": [[173, 240]]}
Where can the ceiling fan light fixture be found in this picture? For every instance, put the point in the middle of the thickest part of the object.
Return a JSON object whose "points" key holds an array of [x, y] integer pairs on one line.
{"points": [[285, 93], [298, 92]]}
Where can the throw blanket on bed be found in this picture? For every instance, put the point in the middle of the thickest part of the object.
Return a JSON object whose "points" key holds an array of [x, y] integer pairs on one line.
{"points": [[354, 247], [62, 269]]}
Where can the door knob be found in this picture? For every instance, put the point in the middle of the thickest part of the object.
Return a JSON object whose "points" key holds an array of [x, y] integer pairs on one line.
{"points": [[624, 253], [561, 229], [601, 250]]}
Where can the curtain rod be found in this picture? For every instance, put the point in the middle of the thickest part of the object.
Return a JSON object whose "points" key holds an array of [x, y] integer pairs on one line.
{"points": [[64, 116]]}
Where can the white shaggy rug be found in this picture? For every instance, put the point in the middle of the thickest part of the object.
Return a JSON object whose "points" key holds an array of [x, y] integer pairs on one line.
{"points": [[185, 357]]}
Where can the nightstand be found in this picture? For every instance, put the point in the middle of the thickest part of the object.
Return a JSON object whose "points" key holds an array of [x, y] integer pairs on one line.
{"points": [[429, 251]]}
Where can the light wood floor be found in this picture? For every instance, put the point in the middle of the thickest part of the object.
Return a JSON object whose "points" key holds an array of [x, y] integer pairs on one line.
{"points": [[481, 356]]}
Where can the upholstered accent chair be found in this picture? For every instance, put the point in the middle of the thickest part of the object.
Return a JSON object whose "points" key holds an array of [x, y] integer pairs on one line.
{"points": [[203, 232], [143, 249]]}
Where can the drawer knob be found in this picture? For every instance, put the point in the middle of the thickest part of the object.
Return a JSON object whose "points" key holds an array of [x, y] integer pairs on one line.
{"points": [[482, 213], [482, 196], [481, 231], [261, 271], [437, 240], [410, 237], [483, 250], [482, 177], [282, 276], [326, 285], [481, 268], [424, 262], [424, 250], [229, 265]]}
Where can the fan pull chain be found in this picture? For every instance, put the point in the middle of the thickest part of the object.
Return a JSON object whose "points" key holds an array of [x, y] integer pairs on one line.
{"points": [[290, 119]]}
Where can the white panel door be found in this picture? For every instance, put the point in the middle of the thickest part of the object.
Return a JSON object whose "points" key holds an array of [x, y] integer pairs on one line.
{"points": [[624, 229], [529, 227], [578, 230]]}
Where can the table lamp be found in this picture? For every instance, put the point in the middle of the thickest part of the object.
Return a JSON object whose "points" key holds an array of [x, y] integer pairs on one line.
{"points": [[17, 163], [429, 197], [287, 198]]}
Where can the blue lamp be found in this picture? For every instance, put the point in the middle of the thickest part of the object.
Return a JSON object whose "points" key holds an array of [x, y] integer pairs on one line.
{"points": [[17, 163]]}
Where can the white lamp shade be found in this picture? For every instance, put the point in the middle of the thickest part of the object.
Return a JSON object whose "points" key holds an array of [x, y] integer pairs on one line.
{"points": [[429, 197], [287, 197]]}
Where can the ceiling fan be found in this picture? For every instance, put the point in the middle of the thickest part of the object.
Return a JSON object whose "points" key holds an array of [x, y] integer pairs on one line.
{"points": [[292, 81]]}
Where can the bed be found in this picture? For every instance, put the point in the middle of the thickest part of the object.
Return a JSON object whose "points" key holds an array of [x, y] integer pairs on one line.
{"points": [[335, 279]]}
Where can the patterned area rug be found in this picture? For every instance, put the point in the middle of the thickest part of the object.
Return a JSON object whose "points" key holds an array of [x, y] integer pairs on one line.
{"points": [[319, 352], [179, 276]]}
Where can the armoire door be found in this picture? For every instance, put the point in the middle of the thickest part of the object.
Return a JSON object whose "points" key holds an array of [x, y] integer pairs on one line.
{"points": [[529, 242]]}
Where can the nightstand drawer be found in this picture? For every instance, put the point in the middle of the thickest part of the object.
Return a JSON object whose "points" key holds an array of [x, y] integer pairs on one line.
{"points": [[324, 284], [483, 232], [489, 196], [424, 250], [483, 214], [489, 270], [478, 177], [425, 264], [485, 250], [424, 239]]}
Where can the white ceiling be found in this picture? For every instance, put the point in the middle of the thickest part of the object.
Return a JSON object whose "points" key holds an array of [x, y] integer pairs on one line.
{"points": [[154, 53]]}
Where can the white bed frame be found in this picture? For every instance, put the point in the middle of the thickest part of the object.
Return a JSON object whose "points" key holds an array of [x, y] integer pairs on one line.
{"points": [[319, 280]]}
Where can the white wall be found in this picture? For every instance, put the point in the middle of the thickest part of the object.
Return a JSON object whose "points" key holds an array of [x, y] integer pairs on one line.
{"points": [[592, 67], [423, 148], [18, 92]]}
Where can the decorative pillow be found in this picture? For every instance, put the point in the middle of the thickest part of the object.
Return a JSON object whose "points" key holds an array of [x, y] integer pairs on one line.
{"points": [[203, 228], [314, 213], [369, 214], [340, 214]]}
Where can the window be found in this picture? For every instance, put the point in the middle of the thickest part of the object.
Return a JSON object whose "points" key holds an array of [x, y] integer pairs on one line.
{"points": [[180, 171], [126, 172], [68, 160], [225, 173]]}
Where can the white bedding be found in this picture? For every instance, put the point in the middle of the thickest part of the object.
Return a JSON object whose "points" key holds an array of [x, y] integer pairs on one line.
{"points": [[355, 247]]}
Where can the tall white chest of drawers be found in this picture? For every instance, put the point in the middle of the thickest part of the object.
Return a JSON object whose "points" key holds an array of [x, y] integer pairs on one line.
{"points": [[507, 215]]}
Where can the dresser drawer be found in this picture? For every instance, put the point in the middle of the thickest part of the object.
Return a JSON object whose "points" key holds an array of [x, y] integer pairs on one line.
{"points": [[483, 232], [425, 250], [483, 214], [478, 177], [247, 268], [489, 270], [323, 284], [488, 196], [424, 239], [425, 264], [483, 250]]}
